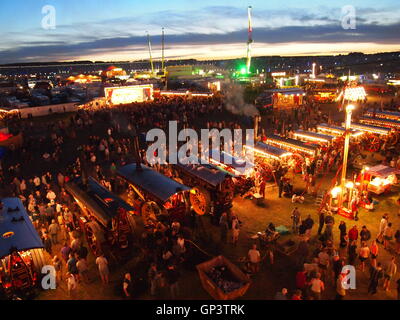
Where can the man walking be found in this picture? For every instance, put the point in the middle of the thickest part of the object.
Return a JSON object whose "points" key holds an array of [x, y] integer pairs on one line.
{"points": [[224, 227], [390, 273], [102, 265], [54, 228], [321, 221], [296, 218], [376, 275], [172, 276]]}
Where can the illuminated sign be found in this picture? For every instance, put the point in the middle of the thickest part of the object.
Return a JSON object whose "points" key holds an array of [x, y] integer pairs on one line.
{"points": [[278, 74], [129, 94], [355, 94]]}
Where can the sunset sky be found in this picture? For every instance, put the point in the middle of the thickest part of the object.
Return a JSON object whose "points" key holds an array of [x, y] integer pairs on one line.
{"points": [[204, 29]]}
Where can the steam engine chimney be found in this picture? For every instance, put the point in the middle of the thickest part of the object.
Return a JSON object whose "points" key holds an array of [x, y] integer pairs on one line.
{"points": [[136, 149], [257, 120]]}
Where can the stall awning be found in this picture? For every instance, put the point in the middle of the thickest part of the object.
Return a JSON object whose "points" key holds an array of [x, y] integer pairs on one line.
{"points": [[151, 181], [270, 151], [16, 229], [388, 123], [383, 114], [370, 128], [382, 171], [313, 136], [206, 172], [287, 91], [291, 144], [99, 200], [237, 164], [336, 130]]}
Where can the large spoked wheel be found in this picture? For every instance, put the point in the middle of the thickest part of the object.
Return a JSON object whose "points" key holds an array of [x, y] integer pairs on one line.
{"points": [[150, 211], [298, 163], [200, 200], [374, 145], [92, 239]]}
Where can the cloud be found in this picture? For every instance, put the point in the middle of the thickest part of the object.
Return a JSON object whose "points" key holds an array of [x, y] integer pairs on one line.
{"points": [[221, 29]]}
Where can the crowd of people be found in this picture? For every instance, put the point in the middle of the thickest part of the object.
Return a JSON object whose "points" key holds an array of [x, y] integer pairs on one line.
{"points": [[99, 141]]}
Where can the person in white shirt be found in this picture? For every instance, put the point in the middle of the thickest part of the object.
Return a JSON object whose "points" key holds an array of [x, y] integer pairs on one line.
{"points": [[51, 195], [71, 284], [254, 259], [383, 224], [102, 264], [317, 287], [37, 182]]}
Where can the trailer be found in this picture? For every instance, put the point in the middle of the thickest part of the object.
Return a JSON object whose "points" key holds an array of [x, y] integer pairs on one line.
{"points": [[379, 178], [153, 194], [105, 218], [21, 251]]}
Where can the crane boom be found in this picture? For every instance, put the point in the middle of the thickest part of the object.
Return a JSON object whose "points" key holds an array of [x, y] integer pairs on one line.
{"points": [[162, 52], [250, 40], [151, 58]]}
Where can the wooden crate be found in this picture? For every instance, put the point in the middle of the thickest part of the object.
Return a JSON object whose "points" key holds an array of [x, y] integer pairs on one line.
{"points": [[212, 288]]}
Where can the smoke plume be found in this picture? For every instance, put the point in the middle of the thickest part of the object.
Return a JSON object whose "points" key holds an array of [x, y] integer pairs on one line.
{"points": [[234, 101]]}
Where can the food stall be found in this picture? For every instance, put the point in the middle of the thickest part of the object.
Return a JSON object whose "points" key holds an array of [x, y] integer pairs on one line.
{"points": [[222, 279], [379, 178], [388, 123]]}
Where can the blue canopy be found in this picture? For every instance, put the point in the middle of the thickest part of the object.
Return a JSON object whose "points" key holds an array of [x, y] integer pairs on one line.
{"points": [[102, 203], [236, 163], [313, 135], [271, 150], [389, 123], [3, 151], [206, 172], [16, 229], [288, 143], [151, 181]]}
